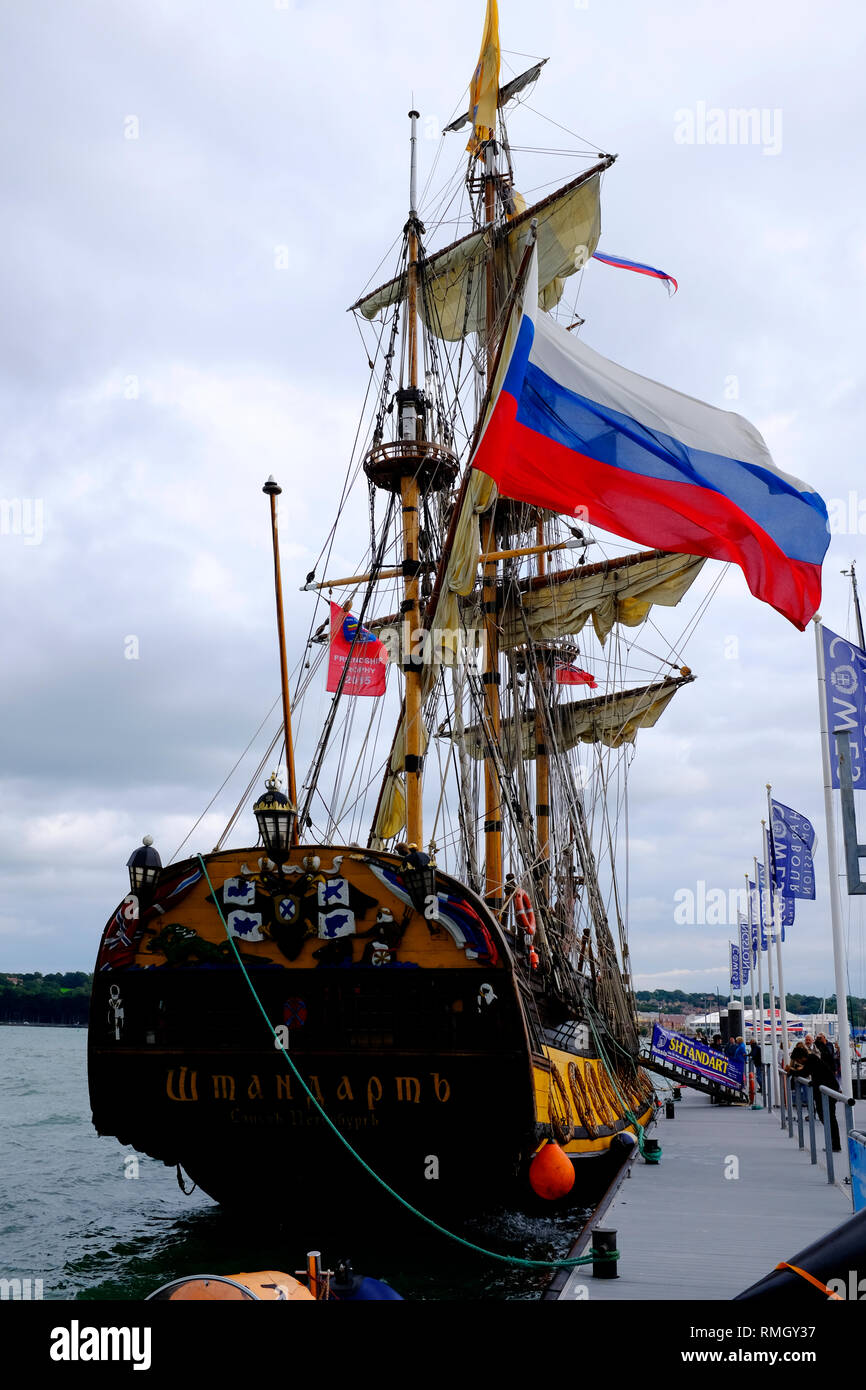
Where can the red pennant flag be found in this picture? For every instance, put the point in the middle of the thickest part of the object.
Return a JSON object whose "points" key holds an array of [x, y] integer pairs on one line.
{"points": [[572, 675], [368, 662]]}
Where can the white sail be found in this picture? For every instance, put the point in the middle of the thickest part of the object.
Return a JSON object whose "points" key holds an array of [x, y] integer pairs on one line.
{"points": [[614, 591], [608, 719], [452, 302]]}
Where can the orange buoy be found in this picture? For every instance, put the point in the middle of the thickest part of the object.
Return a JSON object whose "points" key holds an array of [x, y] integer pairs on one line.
{"points": [[551, 1174], [533, 958]]}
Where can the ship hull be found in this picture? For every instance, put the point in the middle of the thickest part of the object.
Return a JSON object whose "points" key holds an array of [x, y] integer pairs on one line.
{"points": [[422, 1071]]}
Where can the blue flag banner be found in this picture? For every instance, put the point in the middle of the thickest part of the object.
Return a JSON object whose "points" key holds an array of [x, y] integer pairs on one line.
{"points": [[763, 907], [735, 968], [696, 1057], [845, 672], [745, 947], [754, 940], [793, 840]]}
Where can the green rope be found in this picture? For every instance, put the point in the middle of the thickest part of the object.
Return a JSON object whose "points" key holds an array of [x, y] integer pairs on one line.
{"points": [[479, 1249]]}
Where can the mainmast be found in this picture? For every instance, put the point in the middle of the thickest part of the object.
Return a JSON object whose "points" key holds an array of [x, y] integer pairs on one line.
{"points": [[542, 767], [413, 466], [490, 677], [411, 416]]}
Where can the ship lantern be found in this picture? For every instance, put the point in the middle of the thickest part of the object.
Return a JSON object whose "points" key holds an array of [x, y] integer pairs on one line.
{"points": [[419, 877], [276, 820], [144, 866], [410, 413]]}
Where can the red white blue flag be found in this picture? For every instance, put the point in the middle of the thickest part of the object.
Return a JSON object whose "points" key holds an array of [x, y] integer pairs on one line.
{"points": [[573, 432], [622, 264]]}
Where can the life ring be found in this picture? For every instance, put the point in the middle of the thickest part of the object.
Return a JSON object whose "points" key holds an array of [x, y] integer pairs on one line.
{"points": [[523, 911]]}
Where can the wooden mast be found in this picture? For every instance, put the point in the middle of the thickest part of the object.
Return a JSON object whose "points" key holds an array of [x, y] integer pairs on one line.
{"points": [[273, 490], [409, 494], [542, 766], [493, 891]]}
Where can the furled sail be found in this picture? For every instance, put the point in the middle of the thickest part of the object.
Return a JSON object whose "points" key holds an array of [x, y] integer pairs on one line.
{"points": [[452, 298], [614, 591], [511, 89], [608, 719]]}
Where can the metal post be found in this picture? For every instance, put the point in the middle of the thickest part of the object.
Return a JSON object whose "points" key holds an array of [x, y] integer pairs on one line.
{"points": [[604, 1243], [828, 1142], [798, 1091], [783, 1100], [839, 952], [776, 919], [790, 1088], [813, 1147], [766, 898]]}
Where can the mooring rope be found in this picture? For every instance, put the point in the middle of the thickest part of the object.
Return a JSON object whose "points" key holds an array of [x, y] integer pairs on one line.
{"points": [[451, 1235]]}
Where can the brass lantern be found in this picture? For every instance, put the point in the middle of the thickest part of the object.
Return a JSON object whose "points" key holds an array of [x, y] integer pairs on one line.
{"points": [[276, 816]]}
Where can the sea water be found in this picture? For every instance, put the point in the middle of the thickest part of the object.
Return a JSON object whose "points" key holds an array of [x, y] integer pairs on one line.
{"points": [[83, 1217]]}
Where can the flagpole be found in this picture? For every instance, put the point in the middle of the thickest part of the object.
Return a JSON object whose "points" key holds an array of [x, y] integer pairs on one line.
{"points": [[272, 490], [774, 1061], [760, 969], [753, 960], [839, 953], [776, 914]]}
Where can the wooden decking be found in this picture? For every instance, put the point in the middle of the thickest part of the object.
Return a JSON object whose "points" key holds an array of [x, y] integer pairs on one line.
{"points": [[732, 1196]]}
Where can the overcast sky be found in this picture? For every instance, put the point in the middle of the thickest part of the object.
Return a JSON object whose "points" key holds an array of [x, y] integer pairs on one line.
{"points": [[194, 192]]}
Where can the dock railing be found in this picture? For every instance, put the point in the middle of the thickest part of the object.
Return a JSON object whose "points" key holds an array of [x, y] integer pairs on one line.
{"points": [[797, 1088], [827, 1095]]}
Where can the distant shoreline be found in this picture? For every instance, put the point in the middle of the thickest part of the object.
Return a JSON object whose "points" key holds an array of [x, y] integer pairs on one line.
{"points": [[38, 1023]]}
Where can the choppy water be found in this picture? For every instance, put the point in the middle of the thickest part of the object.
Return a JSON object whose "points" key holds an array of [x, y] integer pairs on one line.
{"points": [[69, 1216]]}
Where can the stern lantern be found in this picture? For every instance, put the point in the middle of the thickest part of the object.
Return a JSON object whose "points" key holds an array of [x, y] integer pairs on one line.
{"points": [[144, 867], [276, 817]]}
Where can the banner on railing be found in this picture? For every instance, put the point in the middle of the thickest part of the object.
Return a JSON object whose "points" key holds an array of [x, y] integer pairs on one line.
{"points": [[857, 1155], [697, 1057]]}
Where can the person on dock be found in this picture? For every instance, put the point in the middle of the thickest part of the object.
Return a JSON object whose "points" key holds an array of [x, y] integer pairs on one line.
{"points": [[757, 1061], [825, 1051], [812, 1066]]}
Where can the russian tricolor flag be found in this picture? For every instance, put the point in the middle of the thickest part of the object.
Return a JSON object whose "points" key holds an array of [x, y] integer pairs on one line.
{"points": [[571, 431]]}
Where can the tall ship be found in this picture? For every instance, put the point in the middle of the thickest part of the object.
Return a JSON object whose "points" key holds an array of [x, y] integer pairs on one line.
{"points": [[423, 962]]}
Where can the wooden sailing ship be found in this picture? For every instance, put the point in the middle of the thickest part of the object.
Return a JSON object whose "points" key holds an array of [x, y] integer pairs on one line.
{"points": [[432, 922]]}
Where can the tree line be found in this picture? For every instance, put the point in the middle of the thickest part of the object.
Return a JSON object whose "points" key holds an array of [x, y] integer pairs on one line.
{"points": [[60, 998]]}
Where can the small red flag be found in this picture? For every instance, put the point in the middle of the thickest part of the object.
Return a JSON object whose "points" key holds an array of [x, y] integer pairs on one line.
{"points": [[572, 675], [368, 662]]}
